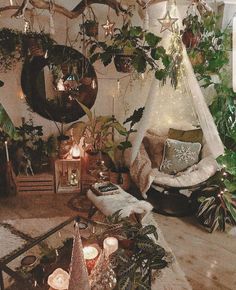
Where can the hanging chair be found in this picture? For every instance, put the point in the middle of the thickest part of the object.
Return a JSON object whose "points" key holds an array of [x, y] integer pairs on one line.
{"points": [[167, 108]]}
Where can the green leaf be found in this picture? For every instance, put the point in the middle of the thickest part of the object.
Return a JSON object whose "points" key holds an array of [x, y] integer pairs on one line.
{"points": [[142, 285], [124, 145], [121, 129], [151, 39], [160, 74], [94, 57], [157, 265], [106, 58], [87, 111], [136, 31], [229, 161], [124, 283], [148, 230], [139, 63], [146, 244], [230, 185], [231, 208], [7, 125], [157, 53], [135, 117]]}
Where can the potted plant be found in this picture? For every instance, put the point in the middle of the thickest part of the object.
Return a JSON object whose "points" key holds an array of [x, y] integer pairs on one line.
{"points": [[139, 256], [193, 30], [37, 42], [10, 48], [96, 132], [116, 150], [90, 26], [132, 48]]}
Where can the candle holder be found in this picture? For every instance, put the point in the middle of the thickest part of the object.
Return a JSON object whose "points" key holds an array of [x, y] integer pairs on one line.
{"points": [[91, 254], [59, 280]]}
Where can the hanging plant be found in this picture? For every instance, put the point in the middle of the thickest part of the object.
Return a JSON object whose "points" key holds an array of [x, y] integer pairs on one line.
{"points": [[10, 48], [90, 26], [131, 46], [37, 42]]}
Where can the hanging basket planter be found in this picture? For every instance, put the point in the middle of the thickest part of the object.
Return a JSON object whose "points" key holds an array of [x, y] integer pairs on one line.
{"points": [[197, 59], [190, 40], [91, 28], [123, 63], [35, 47]]}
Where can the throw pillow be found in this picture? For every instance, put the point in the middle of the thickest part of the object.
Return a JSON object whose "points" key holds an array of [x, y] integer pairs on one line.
{"points": [[194, 136], [178, 156], [154, 146]]}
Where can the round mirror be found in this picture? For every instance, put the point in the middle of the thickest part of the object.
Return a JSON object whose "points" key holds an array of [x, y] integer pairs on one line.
{"points": [[54, 84]]}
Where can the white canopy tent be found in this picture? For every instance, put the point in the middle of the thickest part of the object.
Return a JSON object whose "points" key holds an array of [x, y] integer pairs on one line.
{"points": [[181, 108]]}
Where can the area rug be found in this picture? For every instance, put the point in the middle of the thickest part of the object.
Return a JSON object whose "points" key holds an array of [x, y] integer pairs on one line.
{"points": [[14, 234]]}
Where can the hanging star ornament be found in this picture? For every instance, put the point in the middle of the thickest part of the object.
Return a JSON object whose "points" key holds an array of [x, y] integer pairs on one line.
{"points": [[108, 27], [167, 23]]}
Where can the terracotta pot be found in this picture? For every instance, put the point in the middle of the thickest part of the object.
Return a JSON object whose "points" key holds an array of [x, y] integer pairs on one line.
{"points": [[197, 59], [190, 39], [121, 178], [65, 144], [123, 63], [91, 28]]}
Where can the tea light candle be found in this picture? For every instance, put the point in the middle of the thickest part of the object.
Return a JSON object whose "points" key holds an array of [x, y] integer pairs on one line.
{"points": [[110, 245], [90, 256], [7, 153], [59, 279]]}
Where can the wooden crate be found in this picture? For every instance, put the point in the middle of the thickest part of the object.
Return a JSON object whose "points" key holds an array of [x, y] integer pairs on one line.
{"points": [[63, 170], [38, 183]]}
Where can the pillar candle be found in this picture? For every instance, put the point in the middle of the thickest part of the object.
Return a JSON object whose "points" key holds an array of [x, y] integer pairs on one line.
{"points": [[110, 245], [7, 153]]}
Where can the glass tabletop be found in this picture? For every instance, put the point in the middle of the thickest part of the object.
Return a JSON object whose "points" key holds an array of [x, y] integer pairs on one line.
{"points": [[31, 265]]}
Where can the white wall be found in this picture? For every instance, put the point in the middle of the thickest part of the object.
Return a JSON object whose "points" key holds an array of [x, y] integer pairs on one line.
{"points": [[132, 95]]}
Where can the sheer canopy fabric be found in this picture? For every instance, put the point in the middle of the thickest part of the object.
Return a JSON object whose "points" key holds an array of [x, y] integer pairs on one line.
{"points": [[183, 108]]}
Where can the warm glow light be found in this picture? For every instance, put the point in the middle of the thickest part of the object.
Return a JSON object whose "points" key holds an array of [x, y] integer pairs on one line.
{"points": [[75, 151], [90, 253], [7, 153], [59, 279], [234, 54], [110, 245]]}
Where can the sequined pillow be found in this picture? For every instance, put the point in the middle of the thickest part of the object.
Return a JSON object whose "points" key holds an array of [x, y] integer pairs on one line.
{"points": [[178, 156]]}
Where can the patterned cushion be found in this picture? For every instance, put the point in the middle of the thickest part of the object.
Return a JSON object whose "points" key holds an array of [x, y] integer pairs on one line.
{"points": [[154, 146], [179, 155], [195, 135]]}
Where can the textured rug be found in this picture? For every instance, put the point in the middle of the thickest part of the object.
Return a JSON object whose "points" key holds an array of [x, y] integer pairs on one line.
{"points": [[14, 234]]}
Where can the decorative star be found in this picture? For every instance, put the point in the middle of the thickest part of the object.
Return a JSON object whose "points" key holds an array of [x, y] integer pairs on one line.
{"points": [[108, 27], [167, 23]]}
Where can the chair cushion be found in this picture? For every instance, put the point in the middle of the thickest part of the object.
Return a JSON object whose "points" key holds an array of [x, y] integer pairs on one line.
{"points": [[194, 136], [195, 175], [154, 145], [178, 156]]}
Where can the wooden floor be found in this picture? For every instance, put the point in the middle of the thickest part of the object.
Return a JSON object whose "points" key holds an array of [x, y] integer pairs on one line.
{"points": [[209, 260]]}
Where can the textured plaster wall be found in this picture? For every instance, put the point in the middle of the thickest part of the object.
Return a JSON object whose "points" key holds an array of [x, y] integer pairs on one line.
{"points": [[132, 94]]}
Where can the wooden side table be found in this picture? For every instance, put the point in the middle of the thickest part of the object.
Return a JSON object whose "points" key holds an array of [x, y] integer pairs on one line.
{"points": [[68, 175]]}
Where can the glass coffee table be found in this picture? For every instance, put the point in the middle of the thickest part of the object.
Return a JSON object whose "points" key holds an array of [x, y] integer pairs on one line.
{"points": [[28, 267]]}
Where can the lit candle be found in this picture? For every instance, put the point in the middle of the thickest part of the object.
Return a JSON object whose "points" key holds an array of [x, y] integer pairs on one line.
{"points": [[90, 256], [7, 153], [110, 245], [113, 105], [75, 151], [59, 279]]}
